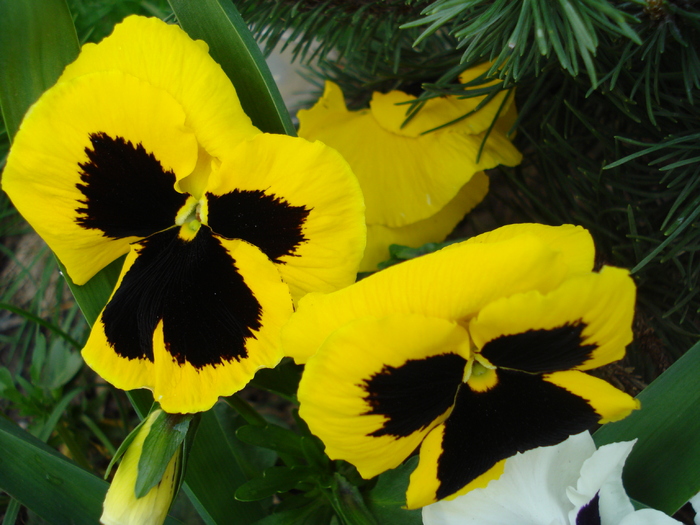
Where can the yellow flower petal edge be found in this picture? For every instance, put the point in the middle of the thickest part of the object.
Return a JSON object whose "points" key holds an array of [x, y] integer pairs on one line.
{"points": [[166, 57], [574, 243], [609, 403], [432, 229], [390, 112], [333, 233], [403, 367], [453, 283], [45, 165], [596, 309]]}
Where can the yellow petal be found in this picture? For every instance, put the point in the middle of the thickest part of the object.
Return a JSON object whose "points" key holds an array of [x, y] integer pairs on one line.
{"points": [[167, 58], [44, 171], [425, 480], [377, 386], [299, 202], [608, 402], [574, 243], [390, 112], [432, 229], [453, 284], [583, 324], [404, 179], [191, 320]]}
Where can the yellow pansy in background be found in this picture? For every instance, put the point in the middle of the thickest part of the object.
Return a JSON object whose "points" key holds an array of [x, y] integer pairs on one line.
{"points": [[142, 148], [418, 184], [473, 353], [121, 506]]}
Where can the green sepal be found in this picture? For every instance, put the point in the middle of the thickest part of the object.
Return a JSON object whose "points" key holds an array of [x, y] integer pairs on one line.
{"points": [[275, 480], [662, 469], [127, 441], [166, 435]]}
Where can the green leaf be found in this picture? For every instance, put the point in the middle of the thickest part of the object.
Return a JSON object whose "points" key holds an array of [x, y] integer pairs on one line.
{"points": [[273, 437], [662, 470], [93, 295], [273, 481], [231, 44], [164, 438], [348, 503], [48, 483], [214, 474], [37, 40], [315, 512], [388, 497]]}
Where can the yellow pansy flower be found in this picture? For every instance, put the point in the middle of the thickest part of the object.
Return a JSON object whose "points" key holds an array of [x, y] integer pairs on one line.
{"points": [[142, 148], [473, 353]]}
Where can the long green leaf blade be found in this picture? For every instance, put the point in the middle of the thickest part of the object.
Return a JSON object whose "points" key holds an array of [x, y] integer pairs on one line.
{"points": [[231, 44], [213, 475], [662, 470], [37, 40], [48, 483]]}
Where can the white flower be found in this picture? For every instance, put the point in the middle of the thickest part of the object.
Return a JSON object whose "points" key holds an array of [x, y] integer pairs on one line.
{"points": [[571, 483], [695, 502]]}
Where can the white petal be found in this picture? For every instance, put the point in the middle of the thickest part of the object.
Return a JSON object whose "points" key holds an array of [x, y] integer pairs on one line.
{"points": [[602, 473], [695, 502], [530, 491], [648, 517]]}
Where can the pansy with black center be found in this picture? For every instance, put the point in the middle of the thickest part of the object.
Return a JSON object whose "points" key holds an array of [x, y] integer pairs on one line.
{"points": [[474, 353], [142, 148]]}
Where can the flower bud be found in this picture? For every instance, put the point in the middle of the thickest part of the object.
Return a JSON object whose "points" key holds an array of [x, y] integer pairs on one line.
{"points": [[121, 505]]}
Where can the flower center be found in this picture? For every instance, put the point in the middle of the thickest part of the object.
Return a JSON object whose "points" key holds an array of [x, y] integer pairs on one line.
{"points": [[480, 375], [189, 219]]}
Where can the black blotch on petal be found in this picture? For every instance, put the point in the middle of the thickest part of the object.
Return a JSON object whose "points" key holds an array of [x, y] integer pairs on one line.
{"points": [[267, 221], [589, 514], [127, 192], [520, 413], [414, 394], [208, 311], [540, 351]]}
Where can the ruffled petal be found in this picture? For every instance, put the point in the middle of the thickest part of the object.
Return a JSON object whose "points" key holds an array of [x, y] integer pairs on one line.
{"points": [[431, 168], [574, 243], [390, 112], [167, 58], [432, 229], [520, 412], [91, 174], [378, 386], [190, 319], [601, 478], [583, 324], [299, 203], [454, 284], [609, 403]]}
